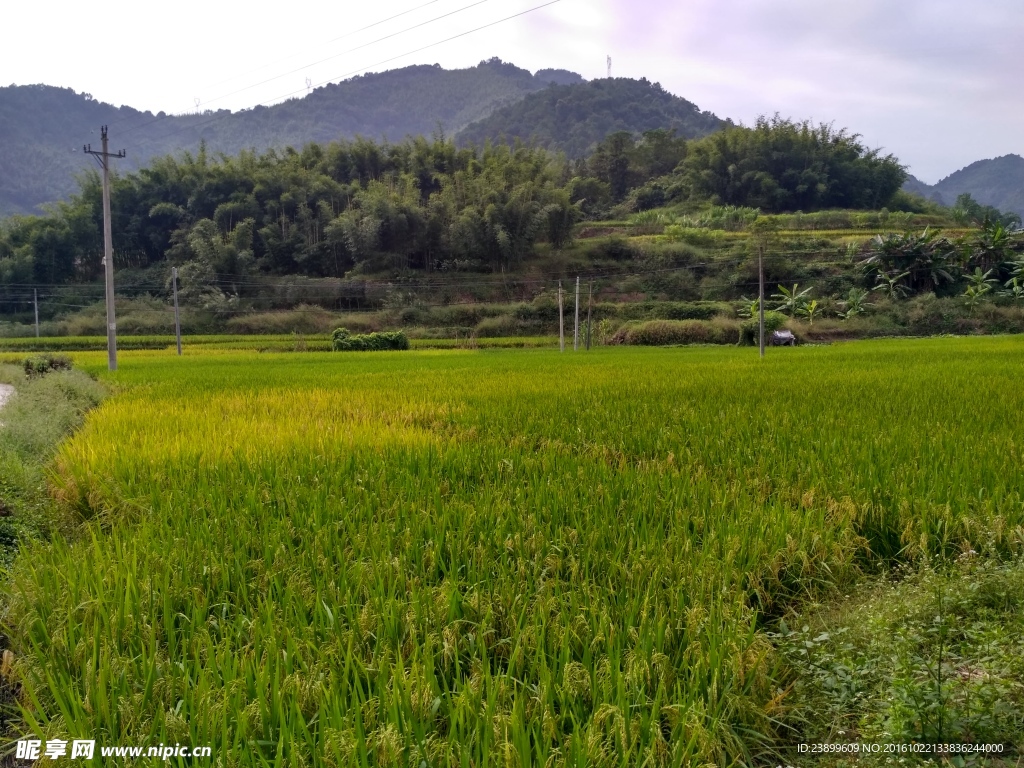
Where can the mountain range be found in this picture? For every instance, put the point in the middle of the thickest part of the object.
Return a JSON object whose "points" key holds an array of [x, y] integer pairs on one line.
{"points": [[998, 182], [46, 127]]}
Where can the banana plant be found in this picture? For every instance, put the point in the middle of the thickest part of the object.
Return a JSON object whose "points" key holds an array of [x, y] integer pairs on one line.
{"points": [[980, 286], [1014, 289], [855, 303], [809, 310], [892, 285], [750, 307], [792, 300]]}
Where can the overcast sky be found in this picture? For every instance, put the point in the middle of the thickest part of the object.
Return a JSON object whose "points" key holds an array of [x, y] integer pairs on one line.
{"points": [[936, 82]]}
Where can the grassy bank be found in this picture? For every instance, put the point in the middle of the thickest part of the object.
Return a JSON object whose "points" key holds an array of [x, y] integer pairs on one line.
{"points": [[43, 411]]}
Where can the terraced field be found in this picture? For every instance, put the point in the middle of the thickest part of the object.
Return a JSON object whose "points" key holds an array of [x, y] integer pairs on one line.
{"points": [[499, 557]]}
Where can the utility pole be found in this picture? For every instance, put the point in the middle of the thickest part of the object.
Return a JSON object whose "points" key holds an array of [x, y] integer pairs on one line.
{"points": [[561, 321], [103, 158], [576, 327], [177, 319], [590, 305], [760, 295], [35, 302]]}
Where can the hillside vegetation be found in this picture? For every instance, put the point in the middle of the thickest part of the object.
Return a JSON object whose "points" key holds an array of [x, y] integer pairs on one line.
{"points": [[456, 242], [45, 127], [574, 119], [422, 205]]}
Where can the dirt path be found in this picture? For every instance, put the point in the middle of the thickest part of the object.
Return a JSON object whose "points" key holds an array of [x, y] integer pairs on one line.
{"points": [[6, 390]]}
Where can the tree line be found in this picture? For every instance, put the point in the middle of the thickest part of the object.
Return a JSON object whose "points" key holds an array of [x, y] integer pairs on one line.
{"points": [[363, 207]]}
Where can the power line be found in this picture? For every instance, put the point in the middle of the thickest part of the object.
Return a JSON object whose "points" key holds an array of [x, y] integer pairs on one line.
{"points": [[350, 50], [370, 66], [328, 42], [306, 283], [286, 58]]}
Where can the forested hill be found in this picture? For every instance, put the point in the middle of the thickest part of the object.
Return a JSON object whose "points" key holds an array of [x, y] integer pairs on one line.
{"points": [[575, 118], [45, 127], [998, 182]]}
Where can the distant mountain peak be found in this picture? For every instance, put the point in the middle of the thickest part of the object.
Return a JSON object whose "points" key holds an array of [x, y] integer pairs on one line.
{"points": [[575, 117], [998, 181], [44, 124]]}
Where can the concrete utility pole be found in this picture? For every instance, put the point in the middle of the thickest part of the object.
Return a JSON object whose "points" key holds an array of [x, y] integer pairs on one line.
{"points": [[177, 319], [590, 306], [576, 327], [103, 158], [760, 296], [561, 322], [35, 302]]}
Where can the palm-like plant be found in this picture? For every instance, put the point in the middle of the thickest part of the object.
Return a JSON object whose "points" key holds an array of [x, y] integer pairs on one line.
{"points": [[926, 261], [891, 286], [991, 246], [1014, 289], [750, 307], [792, 300], [809, 310], [980, 285], [855, 303]]}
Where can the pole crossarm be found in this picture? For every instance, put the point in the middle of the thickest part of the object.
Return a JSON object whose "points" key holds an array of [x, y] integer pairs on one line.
{"points": [[103, 157]]}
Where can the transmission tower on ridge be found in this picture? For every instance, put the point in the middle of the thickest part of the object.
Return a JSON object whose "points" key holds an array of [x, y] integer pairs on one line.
{"points": [[609, 67]]}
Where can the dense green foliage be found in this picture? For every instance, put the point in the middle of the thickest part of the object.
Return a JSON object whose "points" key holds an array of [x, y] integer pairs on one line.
{"points": [[911, 263], [343, 341], [353, 209], [779, 165], [574, 119], [514, 558], [935, 656], [967, 210], [324, 211], [45, 127]]}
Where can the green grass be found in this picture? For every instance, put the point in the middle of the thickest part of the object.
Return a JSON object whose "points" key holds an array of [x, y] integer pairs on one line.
{"points": [[42, 412], [935, 656], [493, 557]]}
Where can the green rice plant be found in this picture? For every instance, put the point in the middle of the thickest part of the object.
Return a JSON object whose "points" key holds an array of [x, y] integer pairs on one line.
{"points": [[498, 557]]}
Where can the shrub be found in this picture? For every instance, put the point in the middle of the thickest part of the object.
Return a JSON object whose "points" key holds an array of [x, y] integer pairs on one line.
{"points": [[749, 330], [43, 364], [343, 341]]}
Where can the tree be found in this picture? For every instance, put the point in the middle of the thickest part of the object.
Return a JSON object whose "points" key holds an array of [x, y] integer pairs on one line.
{"points": [[781, 165], [967, 211]]}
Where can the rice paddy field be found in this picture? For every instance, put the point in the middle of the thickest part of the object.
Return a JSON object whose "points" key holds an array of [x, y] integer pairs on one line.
{"points": [[493, 557]]}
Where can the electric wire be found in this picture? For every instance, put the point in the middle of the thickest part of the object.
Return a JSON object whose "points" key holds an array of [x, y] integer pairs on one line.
{"points": [[215, 118]]}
